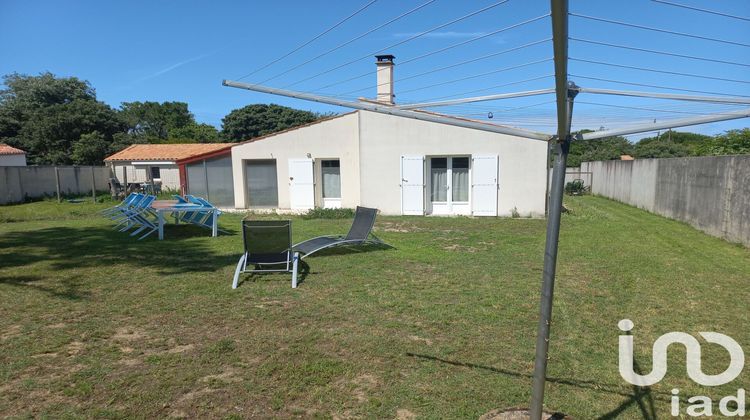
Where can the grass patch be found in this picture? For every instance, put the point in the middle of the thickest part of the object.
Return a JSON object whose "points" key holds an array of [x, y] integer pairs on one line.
{"points": [[95, 324]]}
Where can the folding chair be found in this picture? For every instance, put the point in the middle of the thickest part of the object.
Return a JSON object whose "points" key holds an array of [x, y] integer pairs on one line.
{"points": [[125, 203], [268, 248]]}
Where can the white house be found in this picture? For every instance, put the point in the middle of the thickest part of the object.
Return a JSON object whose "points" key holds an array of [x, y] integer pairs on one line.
{"points": [[399, 165], [10, 156]]}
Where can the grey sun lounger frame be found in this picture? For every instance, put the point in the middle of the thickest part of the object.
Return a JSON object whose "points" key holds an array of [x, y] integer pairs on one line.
{"points": [[267, 243], [359, 234]]}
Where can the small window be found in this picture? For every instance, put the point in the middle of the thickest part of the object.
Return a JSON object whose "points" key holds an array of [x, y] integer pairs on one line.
{"points": [[155, 173], [460, 163], [439, 163], [330, 163], [331, 173]]}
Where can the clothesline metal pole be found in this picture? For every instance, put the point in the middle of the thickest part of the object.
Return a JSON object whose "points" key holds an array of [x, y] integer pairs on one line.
{"points": [[565, 93]]}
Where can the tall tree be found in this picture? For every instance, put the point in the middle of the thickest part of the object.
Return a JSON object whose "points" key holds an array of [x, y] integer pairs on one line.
{"points": [[261, 119], [608, 148], [670, 144], [195, 133], [153, 121], [46, 116], [732, 142]]}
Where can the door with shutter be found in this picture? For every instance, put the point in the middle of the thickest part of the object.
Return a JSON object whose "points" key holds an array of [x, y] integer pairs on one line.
{"points": [[301, 184], [484, 185], [412, 185]]}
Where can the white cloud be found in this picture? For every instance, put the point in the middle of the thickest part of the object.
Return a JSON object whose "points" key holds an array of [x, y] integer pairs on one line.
{"points": [[173, 67]]}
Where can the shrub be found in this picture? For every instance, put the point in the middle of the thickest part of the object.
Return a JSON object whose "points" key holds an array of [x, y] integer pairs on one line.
{"points": [[321, 213], [575, 187]]}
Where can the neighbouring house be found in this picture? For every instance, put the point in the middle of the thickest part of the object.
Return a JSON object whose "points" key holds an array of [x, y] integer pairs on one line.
{"points": [[10, 156], [163, 163], [399, 165]]}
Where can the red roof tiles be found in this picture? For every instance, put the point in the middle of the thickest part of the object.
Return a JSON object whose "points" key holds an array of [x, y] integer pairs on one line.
{"points": [[166, 151], [9, 150]]}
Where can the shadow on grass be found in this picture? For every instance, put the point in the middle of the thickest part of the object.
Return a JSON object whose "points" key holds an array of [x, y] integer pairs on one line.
{"points": [[70, 289], [644, 397], [303, 270], [68, 248]]}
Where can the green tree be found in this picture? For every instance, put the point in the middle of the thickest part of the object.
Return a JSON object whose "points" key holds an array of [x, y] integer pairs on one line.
{"points": [[732, 142], [153, 121], [91, 149], [670, 144], [46, 116], [608, 148], [261, 119], [196, 133]]}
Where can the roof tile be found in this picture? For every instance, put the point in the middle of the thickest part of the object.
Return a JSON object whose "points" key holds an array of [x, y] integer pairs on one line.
{"points": [[166, 151], [10, 150]]}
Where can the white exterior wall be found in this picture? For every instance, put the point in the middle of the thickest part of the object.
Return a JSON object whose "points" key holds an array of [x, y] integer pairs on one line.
{"points": [[170, 174], [332, 139], [13, 160], [370, 146], [385, 138]]}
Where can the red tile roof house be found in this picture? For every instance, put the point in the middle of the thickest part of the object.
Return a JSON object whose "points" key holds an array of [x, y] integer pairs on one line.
{"points": [[10, 156], [172, 164]]}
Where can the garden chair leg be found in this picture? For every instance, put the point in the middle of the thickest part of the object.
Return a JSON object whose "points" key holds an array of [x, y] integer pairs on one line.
{"points": [[238, 271], [295, 263]]}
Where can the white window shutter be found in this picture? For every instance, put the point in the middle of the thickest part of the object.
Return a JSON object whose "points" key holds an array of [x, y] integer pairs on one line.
{"points": [[301, 184], [484, 173], [412, 185]]}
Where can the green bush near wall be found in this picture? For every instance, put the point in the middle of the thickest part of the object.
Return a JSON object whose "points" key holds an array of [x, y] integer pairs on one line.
{"points": [[321, 213]]}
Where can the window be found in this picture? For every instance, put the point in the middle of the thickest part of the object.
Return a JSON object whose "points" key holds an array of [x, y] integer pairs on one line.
{"points": [[155, 173], [439, 179], [331, 173], [449, 174], [460, 179], [262, 183]]}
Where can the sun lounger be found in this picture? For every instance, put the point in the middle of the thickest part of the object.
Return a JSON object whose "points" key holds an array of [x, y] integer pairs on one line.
{"points": [[359, 234]]}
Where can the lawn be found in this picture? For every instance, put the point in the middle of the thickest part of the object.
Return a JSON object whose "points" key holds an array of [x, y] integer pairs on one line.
{"points": [[95, 324]]}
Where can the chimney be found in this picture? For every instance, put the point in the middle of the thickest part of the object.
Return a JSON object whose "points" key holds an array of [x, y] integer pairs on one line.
{"points": [[384, 65]]}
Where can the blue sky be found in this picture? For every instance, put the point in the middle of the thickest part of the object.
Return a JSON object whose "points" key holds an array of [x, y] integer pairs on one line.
{"points": [[181, 50]]}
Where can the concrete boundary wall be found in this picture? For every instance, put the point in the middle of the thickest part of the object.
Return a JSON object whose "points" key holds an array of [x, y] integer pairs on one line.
{"points": [[711, 193], [19, 183]]}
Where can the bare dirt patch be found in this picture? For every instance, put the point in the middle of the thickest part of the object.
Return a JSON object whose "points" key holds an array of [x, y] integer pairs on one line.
{"points": [[421, 339], [49, 354], [519, 414], [461, 248], [180, 349], [397, 227], [130, 362], [74, 348], [229, 375], [404, 414], [12, 331], [128, 334], [363, 386]]}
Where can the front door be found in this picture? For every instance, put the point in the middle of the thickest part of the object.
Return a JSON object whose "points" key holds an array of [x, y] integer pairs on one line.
{"points": [[301, 184], [449, 185]]}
